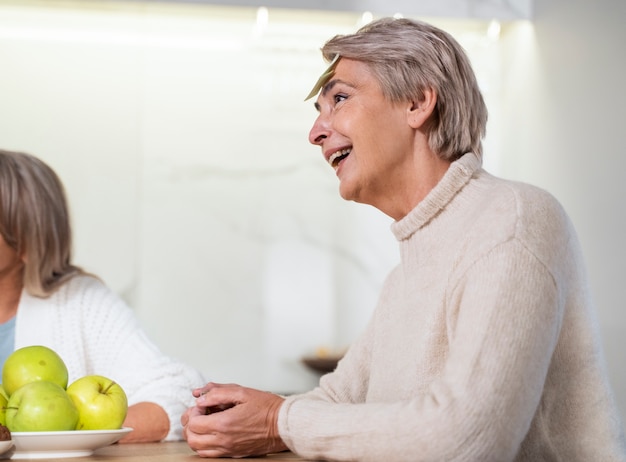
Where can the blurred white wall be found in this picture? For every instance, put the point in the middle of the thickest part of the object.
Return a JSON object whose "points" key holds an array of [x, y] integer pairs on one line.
{"points": [[483, 9], [562, 128], [181, 135]]}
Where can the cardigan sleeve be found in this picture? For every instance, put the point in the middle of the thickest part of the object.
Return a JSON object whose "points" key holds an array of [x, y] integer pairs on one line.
{"points": [[95, 332]]}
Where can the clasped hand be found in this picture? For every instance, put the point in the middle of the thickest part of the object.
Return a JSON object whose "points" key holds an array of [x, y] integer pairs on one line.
{"points": [[233, 421]]}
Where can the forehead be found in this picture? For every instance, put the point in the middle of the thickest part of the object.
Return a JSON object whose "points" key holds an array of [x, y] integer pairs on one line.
{"points": [[344, 70], [353, 73], [350, 74]]}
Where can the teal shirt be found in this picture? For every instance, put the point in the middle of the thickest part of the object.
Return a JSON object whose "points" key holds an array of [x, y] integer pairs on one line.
{"points": [[7, 340]]}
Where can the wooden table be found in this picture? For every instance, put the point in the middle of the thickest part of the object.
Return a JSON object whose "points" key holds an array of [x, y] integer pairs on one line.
{"points": [[162, 452]]}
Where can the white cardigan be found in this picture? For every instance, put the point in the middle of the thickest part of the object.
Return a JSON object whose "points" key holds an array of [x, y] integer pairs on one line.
{"points": [[95, 332]]}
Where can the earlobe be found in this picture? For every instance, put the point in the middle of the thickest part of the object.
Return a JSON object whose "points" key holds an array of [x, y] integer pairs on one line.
{"points": [[420, 111]]}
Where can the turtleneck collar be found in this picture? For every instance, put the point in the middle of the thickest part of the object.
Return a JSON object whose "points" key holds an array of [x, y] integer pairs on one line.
{"points": [[458, 174]]}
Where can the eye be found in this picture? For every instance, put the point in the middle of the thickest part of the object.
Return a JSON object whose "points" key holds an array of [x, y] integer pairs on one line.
{"points": [[339, 97]]}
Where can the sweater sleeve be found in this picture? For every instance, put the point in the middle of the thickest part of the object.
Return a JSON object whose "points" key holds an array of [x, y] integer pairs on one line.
{"points": [[504, 316], [349, 382]]}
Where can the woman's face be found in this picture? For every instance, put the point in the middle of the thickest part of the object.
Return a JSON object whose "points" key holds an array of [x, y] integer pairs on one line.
{"points": [[363, 136]]}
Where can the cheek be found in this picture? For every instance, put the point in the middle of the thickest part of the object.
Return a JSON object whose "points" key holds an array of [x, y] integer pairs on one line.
{"points": [[387, 145], [344, 126]]}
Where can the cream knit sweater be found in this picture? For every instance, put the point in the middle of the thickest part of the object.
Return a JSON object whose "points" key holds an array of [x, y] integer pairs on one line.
{"points": [[95, 332], [483, 346]]}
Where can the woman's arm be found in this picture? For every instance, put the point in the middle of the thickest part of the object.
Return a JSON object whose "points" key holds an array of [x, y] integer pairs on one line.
{"points": [[116, 346], [502, 331], [149, 421]]}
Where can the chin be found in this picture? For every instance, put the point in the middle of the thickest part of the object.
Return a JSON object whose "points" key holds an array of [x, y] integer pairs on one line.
{"points": [[350, 196], [345, 193], [350, 190]]}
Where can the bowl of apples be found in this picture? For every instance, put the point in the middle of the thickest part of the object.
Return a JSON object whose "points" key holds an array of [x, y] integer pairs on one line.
{"points": [[49, 418]]}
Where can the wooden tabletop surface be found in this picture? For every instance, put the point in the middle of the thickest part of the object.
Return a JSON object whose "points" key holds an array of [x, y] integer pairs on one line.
{"points": [[159, 452]]}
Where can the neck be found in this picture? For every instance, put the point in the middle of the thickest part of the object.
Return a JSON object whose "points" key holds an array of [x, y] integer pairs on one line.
{"points": [[422, 174], [10, 291]]}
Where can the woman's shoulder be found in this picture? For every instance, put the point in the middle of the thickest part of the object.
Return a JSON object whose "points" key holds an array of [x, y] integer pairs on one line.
{"points": [[537, 208], [533, 217], [522, 200], [85, 291], [82, 283], [74, 287]]}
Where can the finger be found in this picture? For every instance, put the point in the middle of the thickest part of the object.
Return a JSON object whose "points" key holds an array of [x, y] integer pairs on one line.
{"points": [[202, 390], [212, 386], [211, 453], [201, 436], [220, 397], [184, 418], [203, 423], [195, 411]]}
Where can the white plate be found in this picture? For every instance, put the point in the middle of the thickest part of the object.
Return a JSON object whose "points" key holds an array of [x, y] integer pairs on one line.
{"points": [[76, 443], [5, 446]]}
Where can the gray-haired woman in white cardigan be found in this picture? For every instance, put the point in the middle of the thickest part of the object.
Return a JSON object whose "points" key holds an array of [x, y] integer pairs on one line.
{"points": [[46, 300]]}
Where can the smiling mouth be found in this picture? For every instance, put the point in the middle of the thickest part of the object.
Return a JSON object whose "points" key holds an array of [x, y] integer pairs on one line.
{"points": [[338, 156]]}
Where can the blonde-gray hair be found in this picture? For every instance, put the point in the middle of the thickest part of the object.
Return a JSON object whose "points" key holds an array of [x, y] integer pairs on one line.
{"points": [[408, 57], [34, 220]]}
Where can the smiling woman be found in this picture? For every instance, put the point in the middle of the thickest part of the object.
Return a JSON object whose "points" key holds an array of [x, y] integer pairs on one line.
{"points": [[484, 343]]}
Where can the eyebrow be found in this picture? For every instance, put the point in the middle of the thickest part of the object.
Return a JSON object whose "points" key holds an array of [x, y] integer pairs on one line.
{"points": [[328, 87]]}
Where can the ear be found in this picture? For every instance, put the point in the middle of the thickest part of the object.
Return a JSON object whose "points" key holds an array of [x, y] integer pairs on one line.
{"points": [[420, 111]]}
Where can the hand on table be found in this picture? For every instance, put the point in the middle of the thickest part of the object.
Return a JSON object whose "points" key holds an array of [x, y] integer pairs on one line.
{"points": [[233, 421]]}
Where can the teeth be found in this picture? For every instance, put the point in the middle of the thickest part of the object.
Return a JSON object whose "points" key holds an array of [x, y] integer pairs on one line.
{"points": [[338, 155]]}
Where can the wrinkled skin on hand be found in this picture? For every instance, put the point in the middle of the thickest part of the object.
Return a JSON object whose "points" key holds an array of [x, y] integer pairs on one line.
{"points": [[233, 421]]}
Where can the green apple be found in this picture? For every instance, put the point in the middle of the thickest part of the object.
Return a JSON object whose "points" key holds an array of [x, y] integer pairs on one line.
{"points": [[41, 406], [31, 363], [101, 403], [3, 410]]}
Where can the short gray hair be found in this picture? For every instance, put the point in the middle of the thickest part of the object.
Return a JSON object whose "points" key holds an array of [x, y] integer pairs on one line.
{"points": [[408, 57]]}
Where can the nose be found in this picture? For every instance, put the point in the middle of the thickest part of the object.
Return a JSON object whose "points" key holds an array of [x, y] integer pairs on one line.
{"points": [[319, 131]]}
